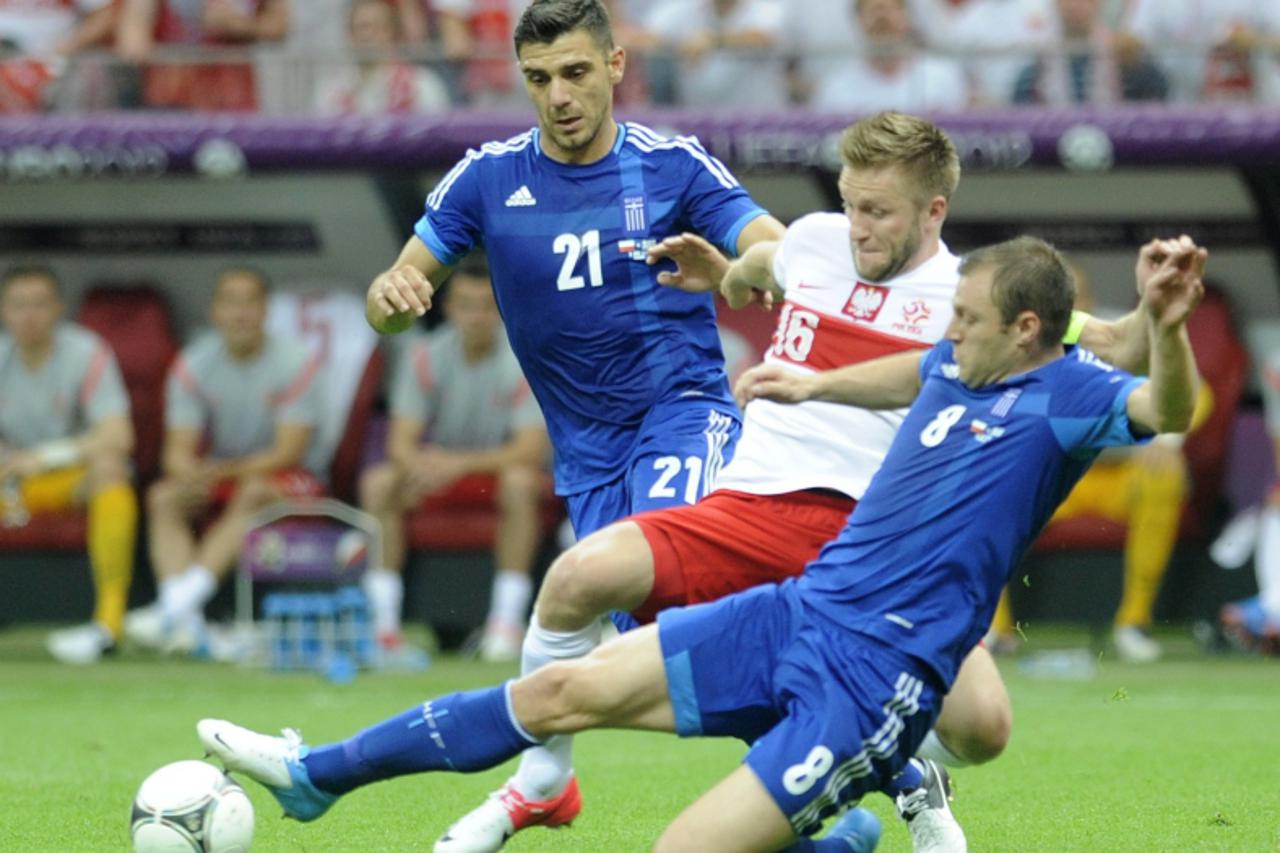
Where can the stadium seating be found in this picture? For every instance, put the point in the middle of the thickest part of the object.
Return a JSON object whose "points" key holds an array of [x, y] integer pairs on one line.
{"points": [[1224, 363]]}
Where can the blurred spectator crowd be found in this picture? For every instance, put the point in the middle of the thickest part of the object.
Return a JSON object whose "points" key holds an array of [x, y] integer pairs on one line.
{"points": [[334, 57]]}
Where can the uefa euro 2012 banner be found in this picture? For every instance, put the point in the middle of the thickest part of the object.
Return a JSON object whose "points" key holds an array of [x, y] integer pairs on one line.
{"points": [[220, 145]]}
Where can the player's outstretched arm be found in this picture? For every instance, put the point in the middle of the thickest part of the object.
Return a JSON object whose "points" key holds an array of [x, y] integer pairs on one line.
{"points": [[1166, 402], [403, 293], [1124, 342], [700, 266], [750, 278], [884, 383]]}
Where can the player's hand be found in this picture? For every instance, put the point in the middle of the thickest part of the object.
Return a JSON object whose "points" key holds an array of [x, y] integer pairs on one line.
{"points": [[1176, 287], [434, 468], [699, 265], [397, 297], [771, 382], [20, 464], [738, 292], [1153, 254]]}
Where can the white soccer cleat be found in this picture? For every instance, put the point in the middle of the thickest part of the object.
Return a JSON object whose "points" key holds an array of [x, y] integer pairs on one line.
{"points": [[263, 758], [146, 627], [487, 827], [81, 645], [1133, 645], [273, 762], [927, 811]]}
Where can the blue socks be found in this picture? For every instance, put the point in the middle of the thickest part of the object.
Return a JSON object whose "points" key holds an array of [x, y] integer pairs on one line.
{"points": [[908, 779], [857, 831], [461, 732]]}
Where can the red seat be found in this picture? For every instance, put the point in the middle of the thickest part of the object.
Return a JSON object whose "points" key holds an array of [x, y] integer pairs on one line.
{"points": [[134, 321], [1224, 363], [440, 525], [345, 470]]}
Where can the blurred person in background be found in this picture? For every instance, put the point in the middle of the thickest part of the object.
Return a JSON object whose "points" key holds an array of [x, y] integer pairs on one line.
{"points": [[1084, 67], [38, 40], [146, 24], [1212, 50], [464, 424], [254, 402], [817, 42], [1145, 488], [1000, 37], [717, 53], [893, 72], [65, 439], [475, 36], [1254, 623], [380, 82]]}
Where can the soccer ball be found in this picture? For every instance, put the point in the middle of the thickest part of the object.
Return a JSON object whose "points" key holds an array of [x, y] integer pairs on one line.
{"points": [[191, 806]]}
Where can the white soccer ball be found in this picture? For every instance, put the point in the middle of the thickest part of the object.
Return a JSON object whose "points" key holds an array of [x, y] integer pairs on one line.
{"points": [[191, 806]]}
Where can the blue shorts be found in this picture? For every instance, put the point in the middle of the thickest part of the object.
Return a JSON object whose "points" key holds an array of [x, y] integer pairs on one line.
{"points": [[674, 464], [830, 715]]}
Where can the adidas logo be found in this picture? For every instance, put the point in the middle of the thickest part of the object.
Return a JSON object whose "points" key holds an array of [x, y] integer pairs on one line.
{"points": [[521, 198]]}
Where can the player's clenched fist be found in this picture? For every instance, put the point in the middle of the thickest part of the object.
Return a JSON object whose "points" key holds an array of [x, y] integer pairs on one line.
{"points": [[396, 298]]}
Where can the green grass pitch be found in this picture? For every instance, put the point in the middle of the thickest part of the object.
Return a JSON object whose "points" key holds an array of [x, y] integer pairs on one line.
{"points": [[1179, 756]]}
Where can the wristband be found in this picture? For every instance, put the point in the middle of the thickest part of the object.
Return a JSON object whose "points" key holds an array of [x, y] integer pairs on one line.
{"points": [[62, 453]]}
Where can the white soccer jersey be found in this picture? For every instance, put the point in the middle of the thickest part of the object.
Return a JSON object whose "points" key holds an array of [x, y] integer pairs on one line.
{"points": [[832, 318]]}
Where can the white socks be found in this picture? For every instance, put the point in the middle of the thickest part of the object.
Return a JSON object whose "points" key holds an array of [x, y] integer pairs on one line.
{"points": [[385, 590], [1267, 561], [545, 770], [934, 749], [183, 597], [509, 598]]}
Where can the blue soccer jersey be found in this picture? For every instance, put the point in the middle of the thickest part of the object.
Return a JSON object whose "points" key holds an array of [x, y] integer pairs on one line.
{"points": [[968, 482], [603, 345]]}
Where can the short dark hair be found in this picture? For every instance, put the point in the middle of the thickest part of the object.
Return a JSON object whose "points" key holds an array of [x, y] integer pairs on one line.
{"points": [[263, 280], [31, 270], [547, 20], [1029, 275]]}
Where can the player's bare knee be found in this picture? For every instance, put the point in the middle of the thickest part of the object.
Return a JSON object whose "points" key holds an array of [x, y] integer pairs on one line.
{"points": [[378, 487], [982, 732], [575, 590], [253, 493]]}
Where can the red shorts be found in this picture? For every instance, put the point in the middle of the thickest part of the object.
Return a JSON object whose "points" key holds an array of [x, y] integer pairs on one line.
{"points": [[470, 490], [730, 541], [290, 483]]}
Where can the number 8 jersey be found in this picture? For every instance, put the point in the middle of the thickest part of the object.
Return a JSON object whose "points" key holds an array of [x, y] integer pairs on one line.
{"points": [[603, 345], [832, 318]]}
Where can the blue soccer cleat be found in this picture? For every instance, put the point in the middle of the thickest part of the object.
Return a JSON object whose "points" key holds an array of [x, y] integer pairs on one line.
{"points": [[858, 828], [273, 762]]}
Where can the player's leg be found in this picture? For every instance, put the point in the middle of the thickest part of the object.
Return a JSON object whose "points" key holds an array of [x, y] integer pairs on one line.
{"points": [[543, 791], [103, 485], [621, 686], [1158, 490], [976, 718], [382, 491], [113, 532], [172, 506], [736, 815], [519, 494]]}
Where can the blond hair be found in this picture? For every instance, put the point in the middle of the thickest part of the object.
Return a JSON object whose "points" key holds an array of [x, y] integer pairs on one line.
{"points": [[917, 146]]}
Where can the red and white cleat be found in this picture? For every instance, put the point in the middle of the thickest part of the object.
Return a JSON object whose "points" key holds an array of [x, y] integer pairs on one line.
{"points": [[487, 827]]}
